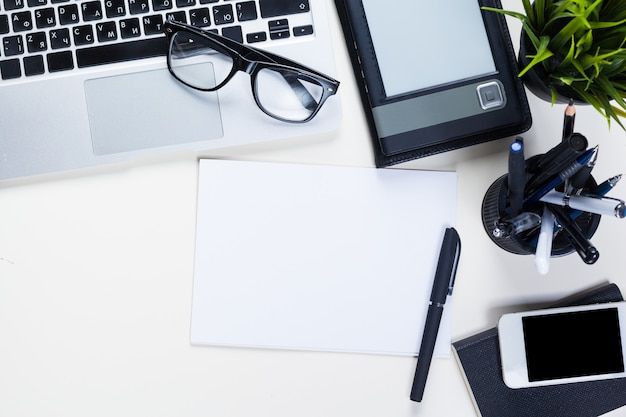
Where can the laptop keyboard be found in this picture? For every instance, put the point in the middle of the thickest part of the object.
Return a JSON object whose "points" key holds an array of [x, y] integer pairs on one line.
{"points": [[52, 36]]}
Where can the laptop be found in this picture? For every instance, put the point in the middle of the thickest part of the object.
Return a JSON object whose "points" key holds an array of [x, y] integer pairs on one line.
{"points": [[85, 83]]}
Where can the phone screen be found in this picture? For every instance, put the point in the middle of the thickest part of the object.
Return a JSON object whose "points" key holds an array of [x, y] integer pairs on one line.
{"points": [[573, 344], [416, 50]]}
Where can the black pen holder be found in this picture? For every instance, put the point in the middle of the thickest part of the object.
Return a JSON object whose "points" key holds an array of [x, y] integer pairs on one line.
{"points": [[494, 208]]}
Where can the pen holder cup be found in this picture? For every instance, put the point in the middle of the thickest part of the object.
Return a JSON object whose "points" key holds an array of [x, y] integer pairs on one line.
{"points": [[494, 207]]}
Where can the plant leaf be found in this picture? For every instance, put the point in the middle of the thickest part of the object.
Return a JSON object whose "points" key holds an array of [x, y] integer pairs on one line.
{"points": [[542, 54]]}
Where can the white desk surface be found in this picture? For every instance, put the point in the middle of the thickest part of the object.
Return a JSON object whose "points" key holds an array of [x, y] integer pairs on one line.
{"points": [[96, 281]]}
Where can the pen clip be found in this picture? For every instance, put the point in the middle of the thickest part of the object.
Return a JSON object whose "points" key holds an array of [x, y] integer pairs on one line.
{"points": [[453, 273], [457, 255]]}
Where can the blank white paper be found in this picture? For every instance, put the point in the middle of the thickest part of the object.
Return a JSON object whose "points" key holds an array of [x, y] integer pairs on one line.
{"points": [[318, 257]]}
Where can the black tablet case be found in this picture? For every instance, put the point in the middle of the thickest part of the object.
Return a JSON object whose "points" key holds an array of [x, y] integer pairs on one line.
{"points": [[455, 136], [479, 357]]}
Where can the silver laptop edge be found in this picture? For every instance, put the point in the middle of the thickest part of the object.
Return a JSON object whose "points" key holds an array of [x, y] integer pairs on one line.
{"points": [[45, 125]]}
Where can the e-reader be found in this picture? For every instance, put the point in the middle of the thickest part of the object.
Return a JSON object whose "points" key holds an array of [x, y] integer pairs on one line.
{"points": [[433, 76]]}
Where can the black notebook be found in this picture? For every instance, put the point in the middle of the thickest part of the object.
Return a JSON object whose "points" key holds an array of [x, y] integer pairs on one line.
{"points": [[479, 358], [436, 76]]}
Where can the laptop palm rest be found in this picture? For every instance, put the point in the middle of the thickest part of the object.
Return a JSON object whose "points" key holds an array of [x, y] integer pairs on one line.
{"points": [[148, 109]]}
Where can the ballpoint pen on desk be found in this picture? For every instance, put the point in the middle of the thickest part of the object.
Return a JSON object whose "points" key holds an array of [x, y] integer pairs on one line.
{"points": [[533, 196], [544, 242], [569, 119], [517, 176], [442, 287]]}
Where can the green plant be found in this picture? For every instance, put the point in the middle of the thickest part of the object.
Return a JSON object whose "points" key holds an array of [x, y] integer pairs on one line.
{"points": [[580, 44]]}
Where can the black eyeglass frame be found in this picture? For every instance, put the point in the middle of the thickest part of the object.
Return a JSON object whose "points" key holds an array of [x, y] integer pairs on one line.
{"points": [[251, 61]]}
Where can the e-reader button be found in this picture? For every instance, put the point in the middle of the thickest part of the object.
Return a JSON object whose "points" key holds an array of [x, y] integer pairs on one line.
{"points": [[490, 95]]}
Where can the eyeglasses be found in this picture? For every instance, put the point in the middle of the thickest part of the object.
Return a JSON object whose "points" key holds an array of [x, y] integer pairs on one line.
{"points": [[283, 89]]}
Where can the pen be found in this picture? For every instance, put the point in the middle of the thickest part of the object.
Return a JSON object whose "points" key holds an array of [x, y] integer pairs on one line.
{"points": [[517, 176], [587, 252], [442, 287], [568, 119], [559, 178], [596, 204], [607, 185], [518, 224], [578, 180], [600, 190], [544, 242], [557, 158]]}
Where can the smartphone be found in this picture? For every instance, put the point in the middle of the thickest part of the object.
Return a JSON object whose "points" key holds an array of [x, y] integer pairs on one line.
{"points": [[563, 345]]}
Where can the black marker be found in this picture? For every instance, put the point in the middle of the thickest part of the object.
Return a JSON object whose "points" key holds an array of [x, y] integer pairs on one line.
{"points": [[588, 253], [516, 177], [442, 287]]}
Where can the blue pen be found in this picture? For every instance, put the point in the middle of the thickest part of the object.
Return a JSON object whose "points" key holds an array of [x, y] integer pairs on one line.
{"points": [[601, 189], [559, 178], [606, 186]]}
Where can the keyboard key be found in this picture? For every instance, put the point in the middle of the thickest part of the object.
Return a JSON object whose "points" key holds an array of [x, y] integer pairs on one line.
{"points": [[185, 3], [44, 18], [92, 10], [83, 35], [36, 3], [138, 6], [256, 37], [208, 1], [114, 8], [273, 8], [13, 45], [106, 31], [4, 24], [22, 21], [234, 33], [200, 17], [153, 25], [36, 42], [60, 38], [178, 16], [68, 14], [129, 28], [33, 65], [127, 51], [60, 61], [223, 14], [303, 30], [279, 29], [246, 11], [10, 69], [158, 5], [13, 4]]}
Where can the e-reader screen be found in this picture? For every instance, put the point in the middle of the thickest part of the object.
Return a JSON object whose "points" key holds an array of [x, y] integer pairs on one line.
{"points": [[416, 49], [574, 344]]}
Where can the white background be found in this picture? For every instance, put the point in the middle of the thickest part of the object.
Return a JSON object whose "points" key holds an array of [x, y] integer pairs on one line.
{"points": [[96, 283]]}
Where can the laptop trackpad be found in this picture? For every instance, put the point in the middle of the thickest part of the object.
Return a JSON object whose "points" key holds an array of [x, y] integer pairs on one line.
{"points": [[147, 110]]}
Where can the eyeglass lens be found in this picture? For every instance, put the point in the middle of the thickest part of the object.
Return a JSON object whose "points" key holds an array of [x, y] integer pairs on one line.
{"points": [[281, 92], [196, 63]]}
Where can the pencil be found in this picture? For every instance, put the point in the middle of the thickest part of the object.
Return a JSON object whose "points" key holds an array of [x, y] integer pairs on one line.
{"points": [[568, 120]]}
